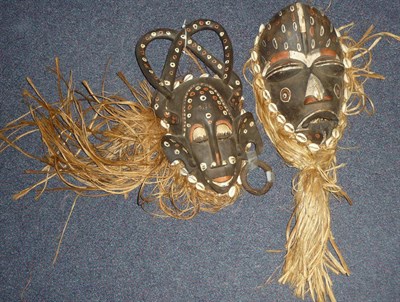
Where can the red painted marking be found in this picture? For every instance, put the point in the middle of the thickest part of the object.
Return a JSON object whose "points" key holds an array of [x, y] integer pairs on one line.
{"points": [[280, 56], [328, 52]]}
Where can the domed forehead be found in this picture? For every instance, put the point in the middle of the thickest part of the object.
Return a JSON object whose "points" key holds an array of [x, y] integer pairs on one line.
{"points": [[204, 103], [299, 28]]}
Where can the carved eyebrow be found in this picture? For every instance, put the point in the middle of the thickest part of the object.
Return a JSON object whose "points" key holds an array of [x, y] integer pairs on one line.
{"points": [[329, 62], [286, 67]]}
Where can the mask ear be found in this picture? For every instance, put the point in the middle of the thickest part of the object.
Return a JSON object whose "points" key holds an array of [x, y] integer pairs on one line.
{"points": [[247, 132], [175, 150]]}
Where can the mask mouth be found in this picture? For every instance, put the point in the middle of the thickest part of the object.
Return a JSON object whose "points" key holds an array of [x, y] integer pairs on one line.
{"points": [[312, 99], [223, 181], [318, 126]]}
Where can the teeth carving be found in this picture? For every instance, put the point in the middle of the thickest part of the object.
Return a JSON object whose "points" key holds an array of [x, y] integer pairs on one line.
{"points": [[232, 160], [257, 68], [239, 180], [261, 29], [176, 84], [223, 184], [213, 164]]}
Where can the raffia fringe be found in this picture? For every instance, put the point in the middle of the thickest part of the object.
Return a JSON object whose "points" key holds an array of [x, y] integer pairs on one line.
{"points": [[99, 144], [311, 251]]}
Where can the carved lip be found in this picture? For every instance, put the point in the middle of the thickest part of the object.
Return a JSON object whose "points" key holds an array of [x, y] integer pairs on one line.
{"points": [[317, 117], [312, 99], [222, 181]]}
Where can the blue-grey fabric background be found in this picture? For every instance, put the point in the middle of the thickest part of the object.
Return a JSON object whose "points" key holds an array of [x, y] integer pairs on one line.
{"points": [[114, 251]]}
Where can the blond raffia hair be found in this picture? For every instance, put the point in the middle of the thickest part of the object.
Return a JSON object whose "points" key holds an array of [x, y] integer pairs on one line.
{"points": [[99, 144], [311, 251]]}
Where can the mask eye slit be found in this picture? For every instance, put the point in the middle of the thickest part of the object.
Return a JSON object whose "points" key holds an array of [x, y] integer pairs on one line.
{"points": [[198, 134], [330, 67], [284, 72], [223, 130]]}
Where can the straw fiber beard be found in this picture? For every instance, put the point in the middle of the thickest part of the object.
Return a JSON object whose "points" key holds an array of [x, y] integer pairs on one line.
{"points": [[98, 143], [208, 132], [283, 70]]}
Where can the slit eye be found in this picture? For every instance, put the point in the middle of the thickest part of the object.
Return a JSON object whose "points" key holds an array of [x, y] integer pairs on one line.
{"points": [[330, 68], [284, 72]]}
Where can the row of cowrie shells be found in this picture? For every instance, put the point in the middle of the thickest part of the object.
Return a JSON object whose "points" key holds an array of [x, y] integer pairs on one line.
{"points": [[200, 186], [288, 127]]}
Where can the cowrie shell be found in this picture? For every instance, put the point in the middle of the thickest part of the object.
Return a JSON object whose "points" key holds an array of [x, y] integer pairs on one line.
{"points": [[313, 147], [164, 124], [200, 186], [288, 127], [347, 63], [281, 119], [256, 40], [272, 107], [188, 77], [335, 133], [175, 162], [192, 179], [232, 191], [329, 141], [254, 56], [346, 94], [301, 137], [266, 95]]}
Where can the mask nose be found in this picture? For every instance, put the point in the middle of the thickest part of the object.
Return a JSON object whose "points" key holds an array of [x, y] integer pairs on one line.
{"points": [[216, 154], [315, 90]]}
